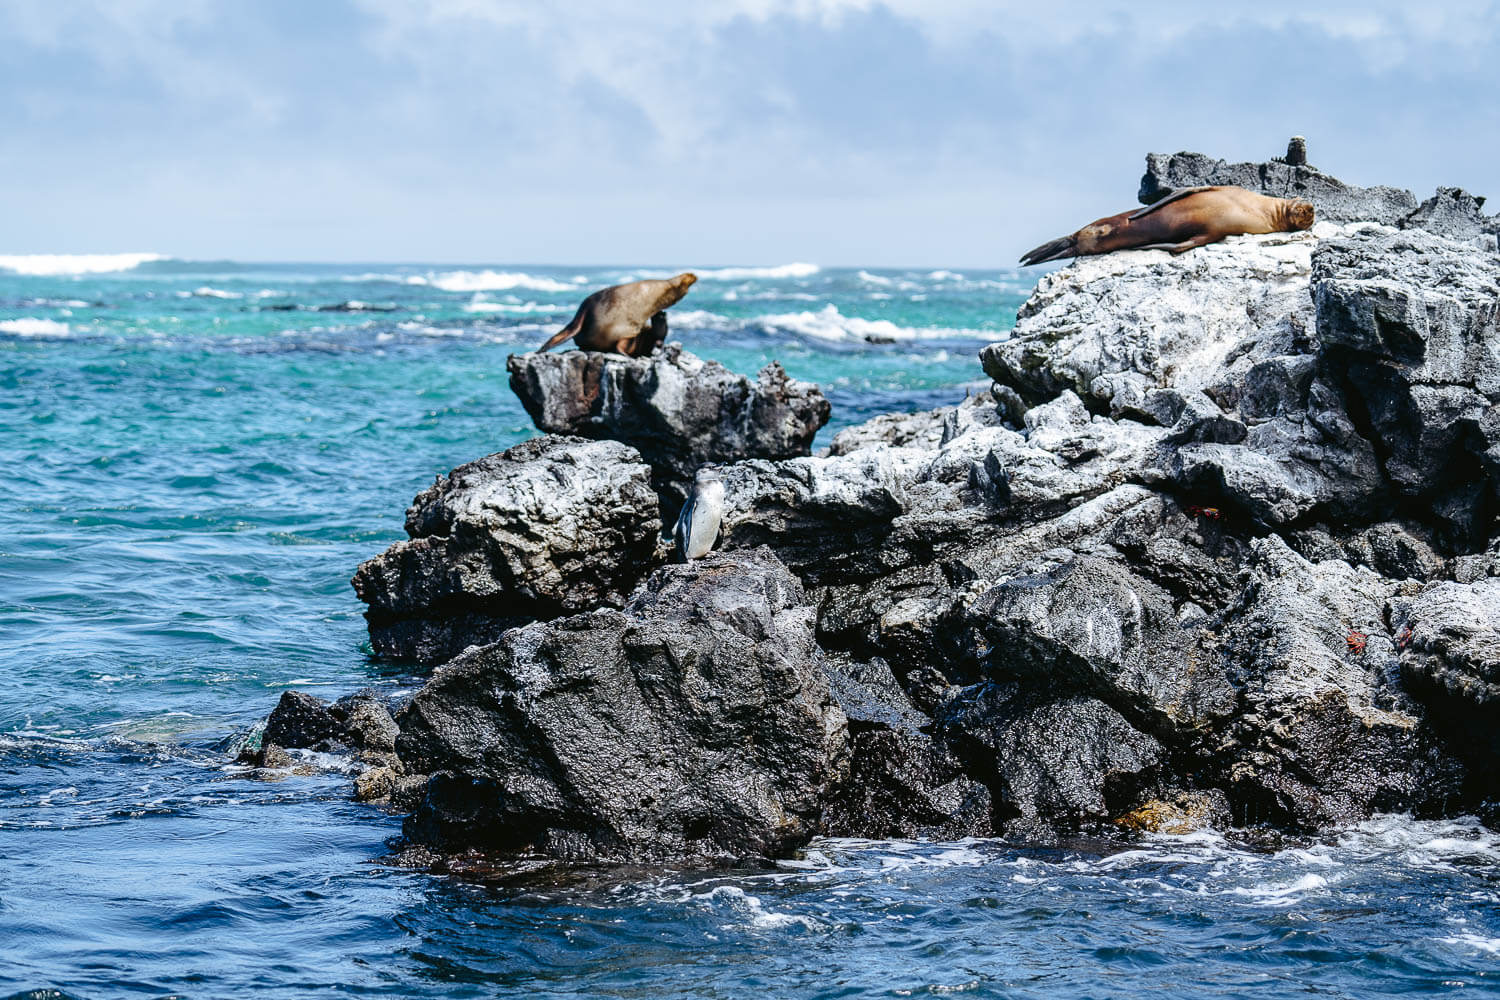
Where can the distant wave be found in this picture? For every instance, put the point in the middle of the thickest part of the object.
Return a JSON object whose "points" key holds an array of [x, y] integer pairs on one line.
{"points": [[47, 264], [826, 324], [481, 305], [493, 281], [798, 270], [31, 327]]}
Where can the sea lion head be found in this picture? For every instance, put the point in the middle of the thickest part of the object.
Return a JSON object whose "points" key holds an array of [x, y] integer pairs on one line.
{"points": [[1299, 214], [685, 280]]}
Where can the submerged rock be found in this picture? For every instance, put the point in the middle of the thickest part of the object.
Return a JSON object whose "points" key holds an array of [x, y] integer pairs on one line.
{"points": [[552, 526], [679, 411]]}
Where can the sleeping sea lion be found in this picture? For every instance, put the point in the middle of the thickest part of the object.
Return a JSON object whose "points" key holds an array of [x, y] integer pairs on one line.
{"points": [[1186, 218], [627, 319]]}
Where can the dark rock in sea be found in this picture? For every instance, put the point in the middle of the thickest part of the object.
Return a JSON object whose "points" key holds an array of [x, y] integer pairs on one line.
{"points": [[1218, 548], [301, 721], [679, 411], [365, 720], [550, 527], [360, 722], [1055, 764], [696, 724]]}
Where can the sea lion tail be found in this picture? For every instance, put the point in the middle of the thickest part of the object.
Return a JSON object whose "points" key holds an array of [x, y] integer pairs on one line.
{"points": [[571, 330], [1063, 246]]}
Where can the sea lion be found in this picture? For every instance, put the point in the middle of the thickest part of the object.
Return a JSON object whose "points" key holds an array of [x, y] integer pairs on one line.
{"points": [[627, 319], [1186, 218]]}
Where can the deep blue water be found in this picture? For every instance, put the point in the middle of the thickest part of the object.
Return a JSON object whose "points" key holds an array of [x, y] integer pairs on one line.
{"points": [[197, 455]]}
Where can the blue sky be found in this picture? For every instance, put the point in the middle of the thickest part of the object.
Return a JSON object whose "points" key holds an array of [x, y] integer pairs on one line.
{"points": [[915, 132]]}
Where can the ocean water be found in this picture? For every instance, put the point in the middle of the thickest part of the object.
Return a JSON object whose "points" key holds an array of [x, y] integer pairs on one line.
{"points": [[196, 456]]}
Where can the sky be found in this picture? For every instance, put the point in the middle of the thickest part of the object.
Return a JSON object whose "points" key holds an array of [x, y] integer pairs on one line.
{"points": [[838, 132]]}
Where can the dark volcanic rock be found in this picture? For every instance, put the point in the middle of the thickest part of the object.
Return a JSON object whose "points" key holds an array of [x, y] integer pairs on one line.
{"points": [[1056, 763], [902, 781], [360, 721], [1326, 733], [301, 721], [1413, 321], [552, 526], [1095, 627], [1334, 200], [695, 724], [1453, 640], [1451, 212], [679, 411]]}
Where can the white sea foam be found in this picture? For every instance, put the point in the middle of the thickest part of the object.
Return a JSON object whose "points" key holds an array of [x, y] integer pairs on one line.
{"points": [[29, 326], [826, 324], [479, 304], [753, 911], [797, 270], [875, 279], [1475, 941], [942, 275], [216, 293], [492, 281], [49, 264]]}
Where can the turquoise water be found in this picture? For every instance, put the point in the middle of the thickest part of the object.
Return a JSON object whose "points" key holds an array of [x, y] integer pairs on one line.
{"points": [[196, 457]]}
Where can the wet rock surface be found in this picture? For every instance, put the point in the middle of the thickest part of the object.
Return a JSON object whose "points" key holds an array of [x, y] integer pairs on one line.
{"points": [[1219, 548]]}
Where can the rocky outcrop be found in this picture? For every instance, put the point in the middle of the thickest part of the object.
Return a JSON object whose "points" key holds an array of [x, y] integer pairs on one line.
{"points": [[1451, 212], [1217, 548], [1117, 327], [677, 410], [550, 527]]}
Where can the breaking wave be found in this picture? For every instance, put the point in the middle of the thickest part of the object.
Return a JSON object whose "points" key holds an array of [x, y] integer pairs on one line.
{"points": [[493, 281], [797, 270], [826, 324], [29, 326], [52, 264]]}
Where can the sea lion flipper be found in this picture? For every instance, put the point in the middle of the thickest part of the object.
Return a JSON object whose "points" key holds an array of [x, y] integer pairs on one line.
{"points": [[571, 330], [1176, 194], [1063, 246], [1201, 240]]}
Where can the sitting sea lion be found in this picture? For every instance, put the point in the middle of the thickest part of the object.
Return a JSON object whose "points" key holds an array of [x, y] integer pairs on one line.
{"points": [[1186, 218], [627, 319]]}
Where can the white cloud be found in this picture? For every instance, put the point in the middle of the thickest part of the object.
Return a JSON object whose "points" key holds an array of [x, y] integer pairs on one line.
{"points": [[635, 129]]}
